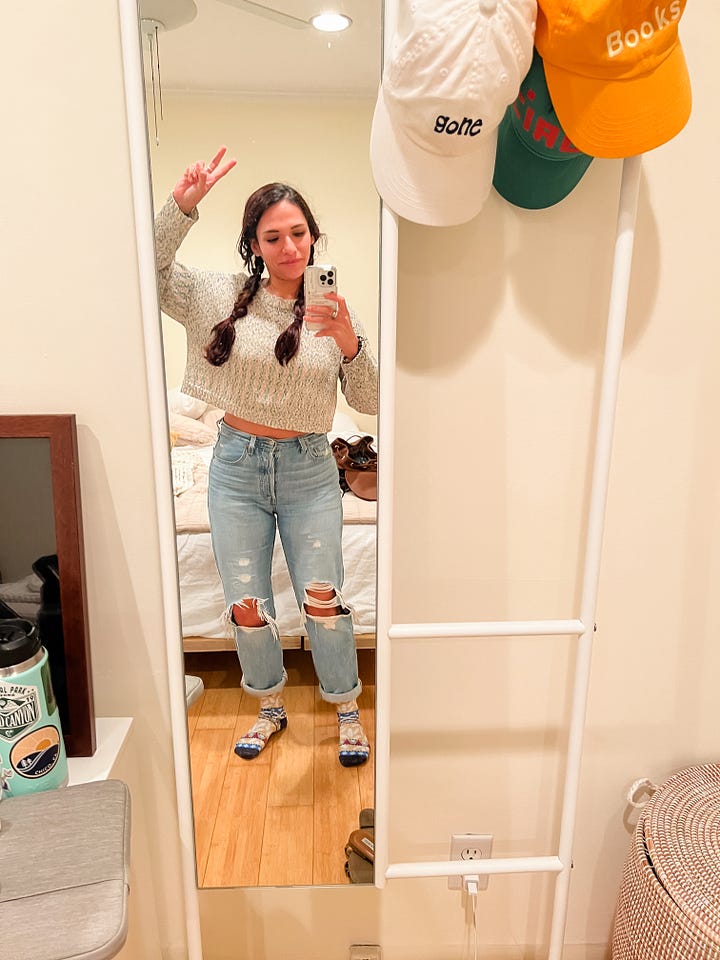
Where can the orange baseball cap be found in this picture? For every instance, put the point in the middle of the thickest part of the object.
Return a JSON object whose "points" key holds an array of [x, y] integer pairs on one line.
{"points": [[615, 71]]}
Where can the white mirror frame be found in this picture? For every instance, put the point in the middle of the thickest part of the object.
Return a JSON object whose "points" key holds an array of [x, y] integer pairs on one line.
{"points": [[155, 367]]}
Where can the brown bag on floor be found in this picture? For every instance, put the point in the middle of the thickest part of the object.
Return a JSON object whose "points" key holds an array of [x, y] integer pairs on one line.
{"points": [[360, 850]]}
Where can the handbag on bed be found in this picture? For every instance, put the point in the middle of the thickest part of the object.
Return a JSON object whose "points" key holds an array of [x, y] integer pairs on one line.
{"points": [[356, 460]]}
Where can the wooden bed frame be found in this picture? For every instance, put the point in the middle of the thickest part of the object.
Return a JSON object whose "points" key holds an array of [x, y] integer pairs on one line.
{"points": [[364, 641]]}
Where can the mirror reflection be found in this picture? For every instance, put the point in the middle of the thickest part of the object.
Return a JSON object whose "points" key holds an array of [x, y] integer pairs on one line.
{"points": [[31, 562], [266, 388], [27, 520]]}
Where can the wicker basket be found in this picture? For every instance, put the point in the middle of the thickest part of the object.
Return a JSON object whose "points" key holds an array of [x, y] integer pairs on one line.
{"points": [[669, 902]]}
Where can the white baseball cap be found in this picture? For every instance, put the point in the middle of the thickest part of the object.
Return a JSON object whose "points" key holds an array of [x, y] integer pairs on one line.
{"points": [[454, 68]]}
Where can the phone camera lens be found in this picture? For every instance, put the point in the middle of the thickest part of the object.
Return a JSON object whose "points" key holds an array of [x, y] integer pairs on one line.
{"points": [[323, 278]]}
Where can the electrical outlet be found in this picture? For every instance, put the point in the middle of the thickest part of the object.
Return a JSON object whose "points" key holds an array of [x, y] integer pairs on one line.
{"points": [[365, 951], [470, 846]]}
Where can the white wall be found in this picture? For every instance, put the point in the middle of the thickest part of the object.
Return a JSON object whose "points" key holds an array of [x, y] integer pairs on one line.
{"points": [[499, 340]]}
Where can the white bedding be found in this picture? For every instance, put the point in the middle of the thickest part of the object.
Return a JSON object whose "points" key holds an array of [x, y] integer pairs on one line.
{"points": [[201, 597], [23, 596]]}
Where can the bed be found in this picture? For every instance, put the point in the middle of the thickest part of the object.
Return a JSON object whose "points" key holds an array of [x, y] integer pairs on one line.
{"points": [[23, 596], [193, 429]]}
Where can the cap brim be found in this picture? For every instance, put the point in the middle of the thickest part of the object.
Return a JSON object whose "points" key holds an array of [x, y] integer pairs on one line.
{"points": [[427, 188], [622, 118], [528, 180]]}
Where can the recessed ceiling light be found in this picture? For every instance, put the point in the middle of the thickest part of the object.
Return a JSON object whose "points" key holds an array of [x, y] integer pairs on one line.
{"points": [[330, 22]]}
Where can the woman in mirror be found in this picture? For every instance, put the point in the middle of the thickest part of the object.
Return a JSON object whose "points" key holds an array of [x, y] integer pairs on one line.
{"points": [[251, 353]]}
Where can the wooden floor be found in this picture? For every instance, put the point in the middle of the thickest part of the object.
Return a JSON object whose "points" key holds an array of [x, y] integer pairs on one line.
{"points": [[285, 817]]}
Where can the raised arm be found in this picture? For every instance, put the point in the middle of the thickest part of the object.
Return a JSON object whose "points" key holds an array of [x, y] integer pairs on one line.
{"points": [[176, 282]]}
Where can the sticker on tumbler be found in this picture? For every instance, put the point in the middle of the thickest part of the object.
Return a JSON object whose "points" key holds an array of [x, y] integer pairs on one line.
{"points": [[19, 709], [37, 753]]}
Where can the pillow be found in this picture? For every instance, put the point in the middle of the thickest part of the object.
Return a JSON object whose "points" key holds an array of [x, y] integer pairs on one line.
{"points": [[179, 402], [211, 417], [185, 430], [343, 425]]}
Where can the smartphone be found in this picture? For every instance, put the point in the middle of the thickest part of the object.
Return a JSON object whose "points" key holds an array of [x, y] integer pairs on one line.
{"points": [[320, 278]]}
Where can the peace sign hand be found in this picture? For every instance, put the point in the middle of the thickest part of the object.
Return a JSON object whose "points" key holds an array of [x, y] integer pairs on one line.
{"points": [[198, 179]]}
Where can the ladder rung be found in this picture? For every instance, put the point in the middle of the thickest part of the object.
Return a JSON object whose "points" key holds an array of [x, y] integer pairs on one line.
{"points": [[488, 628], [464, 868]]}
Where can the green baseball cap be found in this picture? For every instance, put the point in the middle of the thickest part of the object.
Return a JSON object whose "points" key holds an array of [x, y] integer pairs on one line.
{"points": [[536, 165]]}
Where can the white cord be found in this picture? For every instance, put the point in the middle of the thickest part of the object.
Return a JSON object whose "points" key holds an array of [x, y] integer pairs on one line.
{"points": [[471, 885]]}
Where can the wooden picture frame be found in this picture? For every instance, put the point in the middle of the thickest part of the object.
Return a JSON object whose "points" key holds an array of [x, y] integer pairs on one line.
{"points": [[61, 432]]}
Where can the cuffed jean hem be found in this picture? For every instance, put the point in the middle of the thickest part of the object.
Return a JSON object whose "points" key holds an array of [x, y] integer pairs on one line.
{"points": [[332, 644], [342, 697], [270, 690]]}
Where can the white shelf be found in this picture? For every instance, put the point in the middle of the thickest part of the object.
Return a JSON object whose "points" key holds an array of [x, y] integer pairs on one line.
{"points": [[111, 734]]}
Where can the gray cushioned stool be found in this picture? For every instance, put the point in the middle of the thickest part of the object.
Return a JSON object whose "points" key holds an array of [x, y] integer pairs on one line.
{"points": [[64, 863]]}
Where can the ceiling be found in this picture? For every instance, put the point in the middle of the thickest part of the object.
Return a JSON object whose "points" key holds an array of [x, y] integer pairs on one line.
{"points": [[229, 50]]}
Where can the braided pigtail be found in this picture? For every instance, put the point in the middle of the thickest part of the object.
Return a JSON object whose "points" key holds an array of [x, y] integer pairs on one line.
{"points": [[218, 350], [288, 342]]}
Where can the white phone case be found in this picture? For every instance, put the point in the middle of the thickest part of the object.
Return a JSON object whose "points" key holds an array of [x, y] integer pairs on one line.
{"points": [[319, 280]]}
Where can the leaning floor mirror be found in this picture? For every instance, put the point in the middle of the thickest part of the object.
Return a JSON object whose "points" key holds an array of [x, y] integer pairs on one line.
{"points": [[292, 104]]}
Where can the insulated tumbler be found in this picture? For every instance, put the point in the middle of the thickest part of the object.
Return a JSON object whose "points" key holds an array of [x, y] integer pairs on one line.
{"points": [[32, 751]]}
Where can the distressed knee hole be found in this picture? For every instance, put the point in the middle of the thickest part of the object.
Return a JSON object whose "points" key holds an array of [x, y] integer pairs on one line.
{"points": [[249, 612], [322, 600]]}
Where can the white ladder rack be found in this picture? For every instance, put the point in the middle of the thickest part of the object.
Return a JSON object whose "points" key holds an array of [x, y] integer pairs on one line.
{"points": [[582, 628]]}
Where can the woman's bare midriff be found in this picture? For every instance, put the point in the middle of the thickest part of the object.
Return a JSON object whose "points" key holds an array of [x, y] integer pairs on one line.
{"points": [[258, 429]]}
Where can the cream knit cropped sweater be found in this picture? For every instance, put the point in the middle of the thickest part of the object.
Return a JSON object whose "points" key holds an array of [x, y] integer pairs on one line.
{"points": [[252, 384]]}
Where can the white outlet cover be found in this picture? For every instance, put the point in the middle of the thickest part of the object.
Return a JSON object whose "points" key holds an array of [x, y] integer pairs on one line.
{"points": [[478, 846]]}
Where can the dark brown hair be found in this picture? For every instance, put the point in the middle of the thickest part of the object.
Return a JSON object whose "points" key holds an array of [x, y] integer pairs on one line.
{"points": [[218, 350]]}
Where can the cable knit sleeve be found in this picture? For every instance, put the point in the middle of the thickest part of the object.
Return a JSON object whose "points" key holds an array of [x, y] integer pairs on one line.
{"points": [[359, 376], [176, 283]]}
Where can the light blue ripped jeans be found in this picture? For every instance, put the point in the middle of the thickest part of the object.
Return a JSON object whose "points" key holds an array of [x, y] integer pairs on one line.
{"points": [[256, 485]]}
